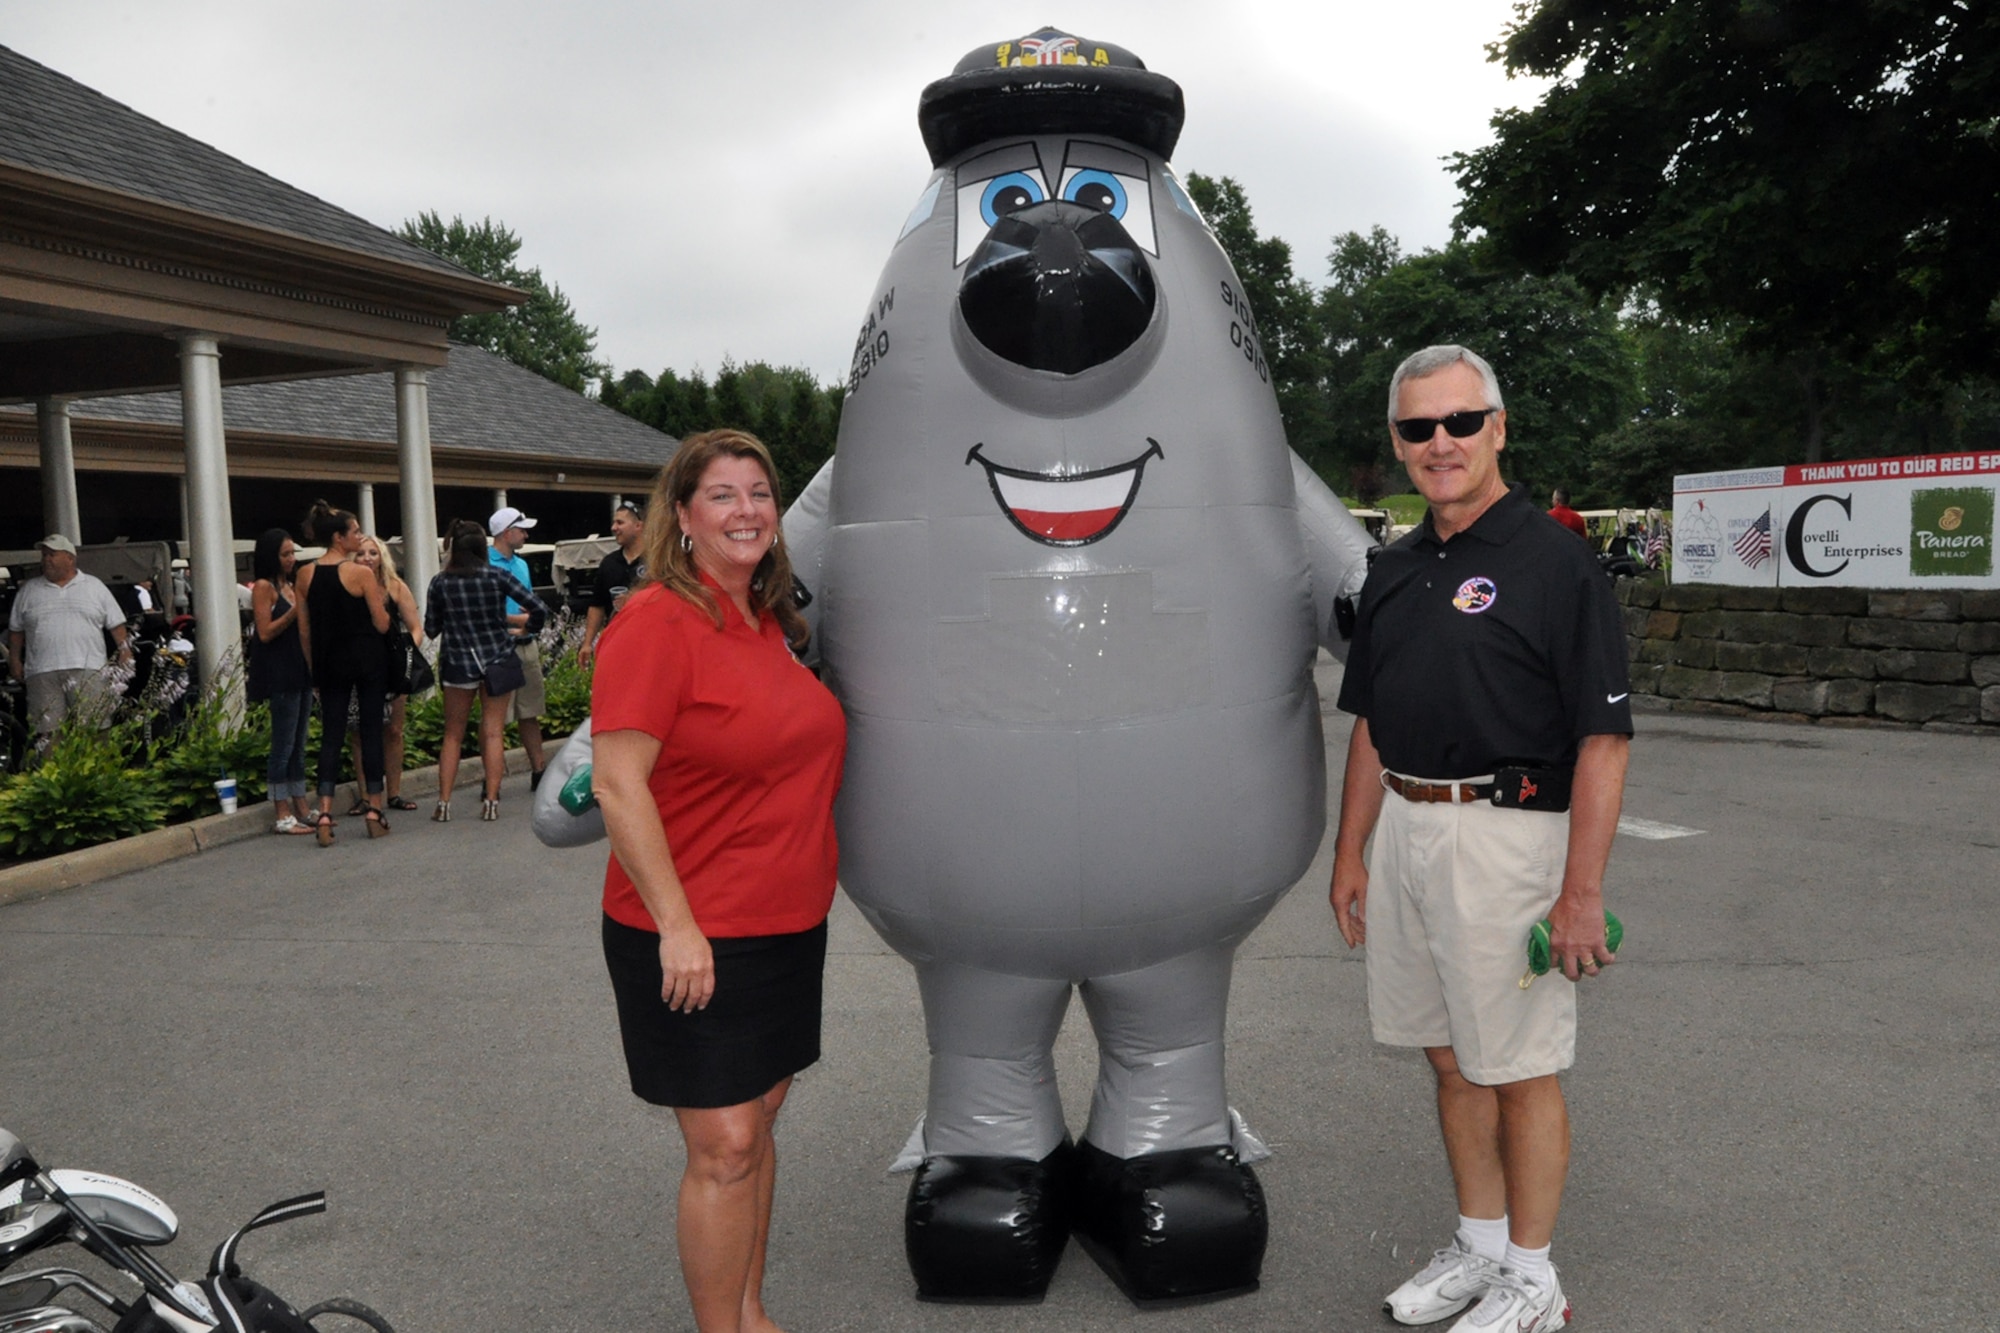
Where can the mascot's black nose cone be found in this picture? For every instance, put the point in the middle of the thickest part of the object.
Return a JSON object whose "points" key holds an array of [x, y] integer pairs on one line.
{"points": [[1057, 286]]}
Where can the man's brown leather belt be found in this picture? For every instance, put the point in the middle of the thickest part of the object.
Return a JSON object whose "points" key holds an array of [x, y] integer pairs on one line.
{"points": [[1430, 793]]}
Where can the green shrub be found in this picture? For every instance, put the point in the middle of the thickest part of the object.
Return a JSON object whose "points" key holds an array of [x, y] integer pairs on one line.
{"points": [[209, 746], [80, 795]]}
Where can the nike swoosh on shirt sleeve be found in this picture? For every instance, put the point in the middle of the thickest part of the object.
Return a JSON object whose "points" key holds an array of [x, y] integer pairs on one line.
{"points": [[1614, 698]]}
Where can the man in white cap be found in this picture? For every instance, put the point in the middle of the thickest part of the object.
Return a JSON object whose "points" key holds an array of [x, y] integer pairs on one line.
{"points": [[55, 636], [508, 527]]}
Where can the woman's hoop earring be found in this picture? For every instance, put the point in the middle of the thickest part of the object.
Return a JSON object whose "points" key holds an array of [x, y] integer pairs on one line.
{"points": [[687, 543]]}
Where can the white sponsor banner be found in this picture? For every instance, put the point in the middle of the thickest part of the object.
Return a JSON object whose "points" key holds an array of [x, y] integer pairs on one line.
{"points": [[1924, 521], [1723, 525]]}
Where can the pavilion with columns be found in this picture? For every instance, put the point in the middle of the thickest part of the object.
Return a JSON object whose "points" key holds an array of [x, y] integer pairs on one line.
{"points": [[154, 289]]}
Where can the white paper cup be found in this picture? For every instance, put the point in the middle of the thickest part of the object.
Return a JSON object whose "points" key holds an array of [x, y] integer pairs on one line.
{"points": [[225, 792]]}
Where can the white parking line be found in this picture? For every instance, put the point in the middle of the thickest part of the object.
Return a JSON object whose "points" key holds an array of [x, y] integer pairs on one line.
{"points": [[1654, 830]]}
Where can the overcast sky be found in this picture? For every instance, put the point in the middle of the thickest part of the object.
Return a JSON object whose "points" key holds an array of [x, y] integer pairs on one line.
{"points": [[726, 178]]}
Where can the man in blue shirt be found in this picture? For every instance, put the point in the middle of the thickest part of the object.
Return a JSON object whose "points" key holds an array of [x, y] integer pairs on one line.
{"points": [[509, 529]]}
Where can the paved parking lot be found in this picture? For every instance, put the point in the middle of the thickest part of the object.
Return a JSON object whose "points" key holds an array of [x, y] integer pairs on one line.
{"points": [[1785, 1101]]}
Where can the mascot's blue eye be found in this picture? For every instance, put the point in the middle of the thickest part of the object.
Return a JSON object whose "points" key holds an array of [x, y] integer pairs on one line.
{"points": [[1009, 194], [1097, 189]]}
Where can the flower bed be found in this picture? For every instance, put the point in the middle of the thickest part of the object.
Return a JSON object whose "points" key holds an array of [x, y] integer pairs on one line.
{"points": [[155, 758]]}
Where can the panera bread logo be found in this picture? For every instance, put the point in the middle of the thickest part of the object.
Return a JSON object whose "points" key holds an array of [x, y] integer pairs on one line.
{"points": [[1951, 531]]}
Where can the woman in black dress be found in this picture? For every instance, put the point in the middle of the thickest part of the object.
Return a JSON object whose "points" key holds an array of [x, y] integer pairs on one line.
{"points": [[344, 614]]}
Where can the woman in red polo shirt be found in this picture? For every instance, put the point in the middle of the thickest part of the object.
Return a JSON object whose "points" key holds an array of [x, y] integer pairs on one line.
{"points": [[716, 757]]}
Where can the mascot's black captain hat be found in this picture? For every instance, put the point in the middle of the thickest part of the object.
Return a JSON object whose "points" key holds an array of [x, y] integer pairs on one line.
{"points": [[1050, 82]]}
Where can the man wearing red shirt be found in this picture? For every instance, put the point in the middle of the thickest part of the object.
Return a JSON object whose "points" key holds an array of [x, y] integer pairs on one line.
{"points": [[1566, 516]]}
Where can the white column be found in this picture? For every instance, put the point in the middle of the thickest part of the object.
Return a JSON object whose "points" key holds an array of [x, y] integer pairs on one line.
{"points": [[59, 507], [364, 506], [413, 455], [499, 498], [212, 564], [617, 503]]}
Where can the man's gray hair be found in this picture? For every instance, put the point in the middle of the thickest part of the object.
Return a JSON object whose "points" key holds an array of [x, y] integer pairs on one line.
{"points": [[1428, 362]]}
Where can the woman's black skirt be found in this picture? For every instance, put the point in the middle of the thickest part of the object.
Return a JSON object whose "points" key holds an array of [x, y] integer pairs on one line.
{"points": [[762, 1024]]}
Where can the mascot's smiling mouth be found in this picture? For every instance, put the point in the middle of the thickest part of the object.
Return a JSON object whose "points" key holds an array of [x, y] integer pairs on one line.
{"points": [[1073, 509]]}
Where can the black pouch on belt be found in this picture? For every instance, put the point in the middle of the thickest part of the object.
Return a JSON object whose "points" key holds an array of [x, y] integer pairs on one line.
{"points": [[1531, 787]]}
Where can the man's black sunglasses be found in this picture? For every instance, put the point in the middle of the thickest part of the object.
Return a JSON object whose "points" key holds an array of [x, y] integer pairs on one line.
{"points": [[1416, 430]]}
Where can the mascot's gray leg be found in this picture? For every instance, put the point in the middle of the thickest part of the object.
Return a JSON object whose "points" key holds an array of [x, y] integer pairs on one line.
{"points": [[1162, 1202], [988, 1212]]}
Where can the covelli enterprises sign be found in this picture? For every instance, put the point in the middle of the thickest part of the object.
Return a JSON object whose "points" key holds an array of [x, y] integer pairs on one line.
{"points": [[1924, 521]]}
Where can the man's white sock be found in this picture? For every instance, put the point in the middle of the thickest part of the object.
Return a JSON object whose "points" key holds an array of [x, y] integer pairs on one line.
{"points": [[1533, 1265], [1485, 1237]]}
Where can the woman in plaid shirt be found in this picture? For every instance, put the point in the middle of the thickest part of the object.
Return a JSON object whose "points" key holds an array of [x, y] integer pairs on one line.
{"points": [[466, 607]]}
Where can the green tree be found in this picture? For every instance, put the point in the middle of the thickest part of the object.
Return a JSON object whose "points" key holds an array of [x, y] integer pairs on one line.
{"points": [[1819, 175], [543, 333], [784, 406], [1563, 361], [1281, 307]]}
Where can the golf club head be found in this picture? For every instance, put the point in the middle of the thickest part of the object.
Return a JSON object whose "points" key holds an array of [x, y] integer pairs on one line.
{"points": [[16, 1162], [131, 1214], [27, 1227]]}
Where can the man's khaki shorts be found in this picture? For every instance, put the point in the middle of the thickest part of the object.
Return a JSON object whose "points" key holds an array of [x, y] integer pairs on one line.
{"points": [[53, 694], [1452, 892], [533, 697]]}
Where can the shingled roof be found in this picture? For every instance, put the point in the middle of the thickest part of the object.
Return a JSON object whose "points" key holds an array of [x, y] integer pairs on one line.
{"points": [[51, 123], [478, 401]]}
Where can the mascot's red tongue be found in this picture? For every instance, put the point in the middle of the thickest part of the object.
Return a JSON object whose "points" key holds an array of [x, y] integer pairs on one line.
{"points": [[1060, 510], [1066, 511]]}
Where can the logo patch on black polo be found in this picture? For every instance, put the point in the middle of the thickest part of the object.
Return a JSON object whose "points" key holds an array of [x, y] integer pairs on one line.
{"points": [[1475, 595]]}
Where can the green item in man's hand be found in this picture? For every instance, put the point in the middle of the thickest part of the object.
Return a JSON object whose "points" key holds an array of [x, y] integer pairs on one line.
{"points": [[1538, 945]]}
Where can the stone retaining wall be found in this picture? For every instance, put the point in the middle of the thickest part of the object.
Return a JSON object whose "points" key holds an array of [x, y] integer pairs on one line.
{"points": [[1917, 658]]}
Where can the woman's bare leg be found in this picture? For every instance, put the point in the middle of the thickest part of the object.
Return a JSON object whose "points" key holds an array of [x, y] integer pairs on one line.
{"points": [[493, 739], [457, 708], [392, 746], [755, 1320], [724, 1218]]}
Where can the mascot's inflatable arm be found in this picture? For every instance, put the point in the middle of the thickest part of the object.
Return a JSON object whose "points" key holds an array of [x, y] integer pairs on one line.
{"points": [[1336, 550], [805, 527]]}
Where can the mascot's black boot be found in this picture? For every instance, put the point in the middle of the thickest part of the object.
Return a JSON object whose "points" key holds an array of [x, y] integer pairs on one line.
{"points": [[1172, 1226], [988, 1229]]}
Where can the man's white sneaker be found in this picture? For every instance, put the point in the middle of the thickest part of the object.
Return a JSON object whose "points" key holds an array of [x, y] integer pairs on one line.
{"points": [[1514, 1305], [1453, 1279]]}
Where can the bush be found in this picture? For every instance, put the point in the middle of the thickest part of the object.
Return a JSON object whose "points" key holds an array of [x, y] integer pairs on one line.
{"points": [[208, 747], [80, 795], [568, 680]]}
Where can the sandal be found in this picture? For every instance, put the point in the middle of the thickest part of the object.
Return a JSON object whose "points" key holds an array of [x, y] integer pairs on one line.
{"points": [[323, 828], [377, 824], [400, 803], [359, 808], [290, 824], [489, 809], [441, 815]]}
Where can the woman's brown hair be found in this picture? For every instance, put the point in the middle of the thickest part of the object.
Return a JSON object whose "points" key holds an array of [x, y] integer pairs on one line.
{"points": [[669, 563], [465, 547]]}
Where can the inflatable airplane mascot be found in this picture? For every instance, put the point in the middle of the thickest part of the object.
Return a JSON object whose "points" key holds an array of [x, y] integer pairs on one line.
{"points": [[1068, 582]]}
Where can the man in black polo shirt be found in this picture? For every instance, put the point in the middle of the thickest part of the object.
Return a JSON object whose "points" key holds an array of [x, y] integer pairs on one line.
{"points": [[617, 574], [1487, 653]]}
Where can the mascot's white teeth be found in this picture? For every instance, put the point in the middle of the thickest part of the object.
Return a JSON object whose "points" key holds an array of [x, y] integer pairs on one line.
{"points": [[1066, 510]]}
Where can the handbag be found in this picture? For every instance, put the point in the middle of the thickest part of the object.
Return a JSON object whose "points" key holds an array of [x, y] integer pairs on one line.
{"points": [[412, 665], [505, 674]]}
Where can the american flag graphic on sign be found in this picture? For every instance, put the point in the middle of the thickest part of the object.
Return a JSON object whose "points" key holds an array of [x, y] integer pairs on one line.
{"points": [[1753, 544]]}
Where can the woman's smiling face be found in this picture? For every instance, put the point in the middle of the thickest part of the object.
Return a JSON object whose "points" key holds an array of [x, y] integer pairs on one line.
{"points": [[731, 519]]}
